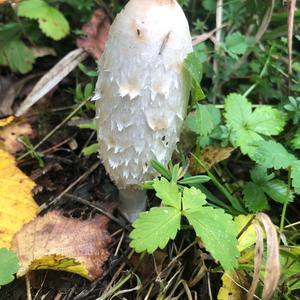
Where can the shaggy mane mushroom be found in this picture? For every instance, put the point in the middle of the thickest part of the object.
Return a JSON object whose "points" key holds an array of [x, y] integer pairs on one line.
{"points": [[142, 93]]}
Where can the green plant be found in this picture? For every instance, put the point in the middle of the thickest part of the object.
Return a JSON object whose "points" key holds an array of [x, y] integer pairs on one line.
{"points": [[9, 265], [155, 228]]}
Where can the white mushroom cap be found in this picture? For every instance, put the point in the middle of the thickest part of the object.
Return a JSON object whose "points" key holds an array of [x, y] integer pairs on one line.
{"points": [[142, 89]]}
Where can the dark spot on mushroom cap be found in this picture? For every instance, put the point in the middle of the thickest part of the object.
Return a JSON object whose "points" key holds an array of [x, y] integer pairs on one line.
{"points": [[138, 32], [163, 138]]}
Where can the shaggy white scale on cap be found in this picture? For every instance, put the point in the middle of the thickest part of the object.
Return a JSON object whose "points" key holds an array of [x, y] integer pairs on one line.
{"points": [[142, 93]]}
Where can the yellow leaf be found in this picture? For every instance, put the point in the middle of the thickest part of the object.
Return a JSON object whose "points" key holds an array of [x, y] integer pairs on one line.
{"points": [[59, 243], [17, 206], [248, 237], [6, 121], [230, 289]]}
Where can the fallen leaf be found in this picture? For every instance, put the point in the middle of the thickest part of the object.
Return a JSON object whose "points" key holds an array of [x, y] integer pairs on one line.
{"points": [[230, 289], [6, 121], [10, 133], [52, 78], [247, 237], [17, 206], [59, 243], [97, 33], [210, 156]]}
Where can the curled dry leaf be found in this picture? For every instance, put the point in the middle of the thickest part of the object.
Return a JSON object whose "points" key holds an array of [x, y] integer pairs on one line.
{"points": [[59, 243], [17, 206], [210, 156], [10, 133], [97, 33], [272, 272]]}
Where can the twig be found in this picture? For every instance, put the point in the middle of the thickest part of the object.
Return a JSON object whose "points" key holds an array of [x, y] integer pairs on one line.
{"points": [[219, 20], [71, 186], [28, 288], [292, 8], [96, 207], [55, 129]]}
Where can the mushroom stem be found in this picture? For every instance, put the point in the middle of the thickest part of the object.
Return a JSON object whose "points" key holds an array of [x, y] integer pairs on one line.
{"points": [[132, 202]]}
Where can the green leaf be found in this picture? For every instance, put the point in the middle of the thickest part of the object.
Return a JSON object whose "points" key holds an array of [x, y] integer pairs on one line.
{"points": [[160, 169], [218, 232], [267, 120], [254, 197], [194, 179], [271, 154], [244, 139], [277, 190], [193, 66], [167, 192], [51, 21], [192, 198], [296, 140], [237, 111], [155, 228], [295, 175], [247, 126], [259, 175], [204, 119], [9, 265], [91, 149], [236, 43], [17, 56]]}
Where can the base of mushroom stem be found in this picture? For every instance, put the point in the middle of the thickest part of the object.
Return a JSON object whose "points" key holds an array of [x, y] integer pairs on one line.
{"points": [[132, 202]]}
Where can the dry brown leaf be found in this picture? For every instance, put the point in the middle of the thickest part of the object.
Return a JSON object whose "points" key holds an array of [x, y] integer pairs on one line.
{"points": [[209, 156], [272, 271], [59, 243], [17, 206], [10, 133], [97, 33]]}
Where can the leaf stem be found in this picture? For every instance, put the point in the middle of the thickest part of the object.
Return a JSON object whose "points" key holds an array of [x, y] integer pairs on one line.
{"points": [[234, 202], [283, 213]]}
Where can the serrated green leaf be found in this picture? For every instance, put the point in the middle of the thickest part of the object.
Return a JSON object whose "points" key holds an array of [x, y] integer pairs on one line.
{"points": [[259, 175], [17, 56], [245, 138], [237, 111], [277, 190], [271, 154], [267, 120], [193, 66], [247, 126], [218, 232], [296, 140], [155, 228], [51, 21], [254, 197], [192, 198], [9, 265], [236, 43], [295, 175], [204, 119], [167, 192]]}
